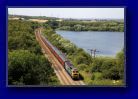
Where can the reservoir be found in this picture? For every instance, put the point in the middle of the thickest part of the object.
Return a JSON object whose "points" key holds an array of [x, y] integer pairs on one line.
{"points": [[107, 43]]}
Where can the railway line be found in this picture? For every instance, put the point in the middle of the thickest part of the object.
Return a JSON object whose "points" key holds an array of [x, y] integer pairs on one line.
{"points": [[61, 73]]}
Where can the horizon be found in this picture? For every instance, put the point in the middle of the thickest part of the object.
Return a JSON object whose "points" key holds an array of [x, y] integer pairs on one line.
{"points": [[70, 18], [70, 13]]}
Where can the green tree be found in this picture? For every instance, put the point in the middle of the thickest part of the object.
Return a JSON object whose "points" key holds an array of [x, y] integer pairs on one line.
{"points": [[120, 63], [97, 64], [27, 68]]}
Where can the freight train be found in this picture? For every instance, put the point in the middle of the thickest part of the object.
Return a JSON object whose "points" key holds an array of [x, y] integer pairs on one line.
{"points": [[72, 71]]}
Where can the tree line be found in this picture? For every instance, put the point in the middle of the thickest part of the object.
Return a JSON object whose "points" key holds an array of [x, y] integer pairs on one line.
{"points": [[75, 25]]}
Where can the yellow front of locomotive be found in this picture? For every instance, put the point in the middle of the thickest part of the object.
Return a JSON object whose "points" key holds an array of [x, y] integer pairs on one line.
{"points": [[75, 74]]}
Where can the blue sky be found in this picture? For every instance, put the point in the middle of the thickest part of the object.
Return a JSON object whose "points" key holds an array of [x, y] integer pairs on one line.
{"points": [[100, 13]]}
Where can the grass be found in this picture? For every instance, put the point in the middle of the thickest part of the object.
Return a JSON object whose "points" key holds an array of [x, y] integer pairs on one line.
{"points": [[106, 82], [89, 79]]}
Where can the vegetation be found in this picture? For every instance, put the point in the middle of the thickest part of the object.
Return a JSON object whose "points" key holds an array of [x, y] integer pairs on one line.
{"points": [[87, 25], [26, 64], [96, 71], [33, 17], [78, 25], [26, 68]]}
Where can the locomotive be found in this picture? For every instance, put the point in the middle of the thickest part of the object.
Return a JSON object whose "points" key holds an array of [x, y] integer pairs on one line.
{"points": [[72, 71]]}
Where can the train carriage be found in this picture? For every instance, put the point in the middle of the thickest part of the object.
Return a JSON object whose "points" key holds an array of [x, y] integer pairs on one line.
{"points": [[73, 72]]}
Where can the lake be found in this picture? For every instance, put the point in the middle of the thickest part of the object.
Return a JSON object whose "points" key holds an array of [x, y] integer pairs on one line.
{"points": [[107, 43]]}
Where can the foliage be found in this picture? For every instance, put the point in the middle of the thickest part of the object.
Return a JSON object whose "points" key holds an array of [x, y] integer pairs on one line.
{"points": [[21, 36], [78, 25], [53, 24], [97, 64], [120, 63], [26, 64], [27, 68]]}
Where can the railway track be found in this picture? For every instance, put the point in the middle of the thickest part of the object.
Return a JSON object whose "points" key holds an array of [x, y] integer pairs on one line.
{"points": [[61, 73]]}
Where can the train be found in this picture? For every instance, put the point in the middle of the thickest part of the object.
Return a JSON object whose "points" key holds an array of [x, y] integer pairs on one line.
{"points": [[68, 66]]}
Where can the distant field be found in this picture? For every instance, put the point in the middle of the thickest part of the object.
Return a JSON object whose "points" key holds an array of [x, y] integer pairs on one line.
{"points": [[38, 20]]}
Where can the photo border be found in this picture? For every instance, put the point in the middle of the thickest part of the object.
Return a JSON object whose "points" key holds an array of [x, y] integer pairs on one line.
{"points": [[125, 55]]}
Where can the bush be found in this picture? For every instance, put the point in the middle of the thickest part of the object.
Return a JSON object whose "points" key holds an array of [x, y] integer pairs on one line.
{"points": [[112, 73], [97, 64], [82, 66], [108, 63], [93, 77], [120, 63], [83, 58], [28, 68]]}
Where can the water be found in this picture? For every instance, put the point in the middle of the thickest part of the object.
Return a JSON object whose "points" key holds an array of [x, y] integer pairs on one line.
{"points": [[107, 43]]}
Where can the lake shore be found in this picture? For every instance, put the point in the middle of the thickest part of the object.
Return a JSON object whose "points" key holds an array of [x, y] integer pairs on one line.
{"points": [[108, 43]]}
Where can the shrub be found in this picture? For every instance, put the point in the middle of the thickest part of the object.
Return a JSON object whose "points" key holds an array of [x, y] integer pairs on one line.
{"points": [[28, 68]]}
